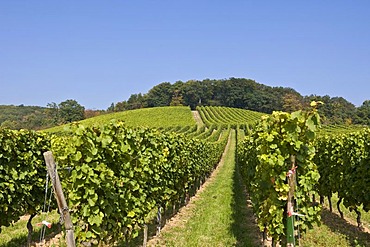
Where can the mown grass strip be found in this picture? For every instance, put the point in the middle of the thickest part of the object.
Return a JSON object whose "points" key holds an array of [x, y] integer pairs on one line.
{"points": [[335, 231], [16, 234], [349, 215], [219, 216]]}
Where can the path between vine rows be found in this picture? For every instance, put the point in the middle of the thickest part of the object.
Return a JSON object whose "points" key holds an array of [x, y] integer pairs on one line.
{"points": [[226, 217], [218, 215], [197, 118]]}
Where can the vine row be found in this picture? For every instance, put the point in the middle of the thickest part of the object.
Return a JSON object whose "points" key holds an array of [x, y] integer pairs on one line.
{"points": [[119, 175], [264, 159]]}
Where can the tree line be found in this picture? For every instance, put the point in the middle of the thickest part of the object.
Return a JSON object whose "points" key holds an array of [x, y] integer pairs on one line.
{"points": [[233, 92], [36, 117], [245, 94]]}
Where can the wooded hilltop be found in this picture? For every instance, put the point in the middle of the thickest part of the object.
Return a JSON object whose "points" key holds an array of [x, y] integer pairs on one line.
{"points": [[233, 92]]}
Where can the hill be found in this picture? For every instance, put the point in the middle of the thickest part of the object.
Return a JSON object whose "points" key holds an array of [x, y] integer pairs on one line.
{"points": [[36, 117], [245, 94], [233, 92], [26, 117]]}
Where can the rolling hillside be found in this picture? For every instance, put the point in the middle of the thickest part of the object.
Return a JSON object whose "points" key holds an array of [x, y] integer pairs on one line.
{"points": [[147, 117], [181, 120]]}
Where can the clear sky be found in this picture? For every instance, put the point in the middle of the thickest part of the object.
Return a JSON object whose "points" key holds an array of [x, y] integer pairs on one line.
{"points": [[99, 52]]}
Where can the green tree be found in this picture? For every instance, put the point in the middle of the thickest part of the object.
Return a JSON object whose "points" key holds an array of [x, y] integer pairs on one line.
{"points": [[292, 102], [177, 99], [363, 113], [344, 111], [121, 106], [24, 117], [160, 95], [197, 93], [70, 110], [111, 108], [136, 101], [52, 113], [336, 110]]}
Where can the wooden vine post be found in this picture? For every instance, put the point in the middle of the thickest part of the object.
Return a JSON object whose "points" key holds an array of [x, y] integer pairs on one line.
{"points": [[290, 206], [59, 196]]}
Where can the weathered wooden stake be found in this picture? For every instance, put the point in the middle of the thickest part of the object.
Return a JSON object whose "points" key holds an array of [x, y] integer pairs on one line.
{"points": [[59, 196]]}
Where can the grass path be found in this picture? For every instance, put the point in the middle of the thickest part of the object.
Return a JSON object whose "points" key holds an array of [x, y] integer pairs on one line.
{"points": [[218, 215], [197, 118], [335, 231]]}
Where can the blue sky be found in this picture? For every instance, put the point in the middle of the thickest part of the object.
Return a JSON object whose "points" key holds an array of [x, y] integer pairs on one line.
{"points": [[99, 52]]}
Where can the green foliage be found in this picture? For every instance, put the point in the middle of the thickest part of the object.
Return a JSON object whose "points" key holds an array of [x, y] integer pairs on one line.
{"points": [[334, 129], [70, 111], [35, 117], [177, 99], [22, 173], [293, 101], [233, 92], [343, 162], [160, 95], [363, 113], [136, 101], [120, 175], [245, 94], [225, 115], [148, 117], [334, 110], [23, 117], [264, 159]]}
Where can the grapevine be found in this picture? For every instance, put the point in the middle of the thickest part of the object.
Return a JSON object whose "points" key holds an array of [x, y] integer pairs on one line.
{"points": [[264, 160]]}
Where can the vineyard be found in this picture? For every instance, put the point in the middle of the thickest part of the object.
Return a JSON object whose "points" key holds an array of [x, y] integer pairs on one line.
{"points": [[337, 129], [159, 117], [228, 116], [120, 170]]}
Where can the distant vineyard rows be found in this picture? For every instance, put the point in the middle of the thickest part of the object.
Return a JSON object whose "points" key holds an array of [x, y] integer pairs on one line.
{"points": [[159, 117], [227, 116]]}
